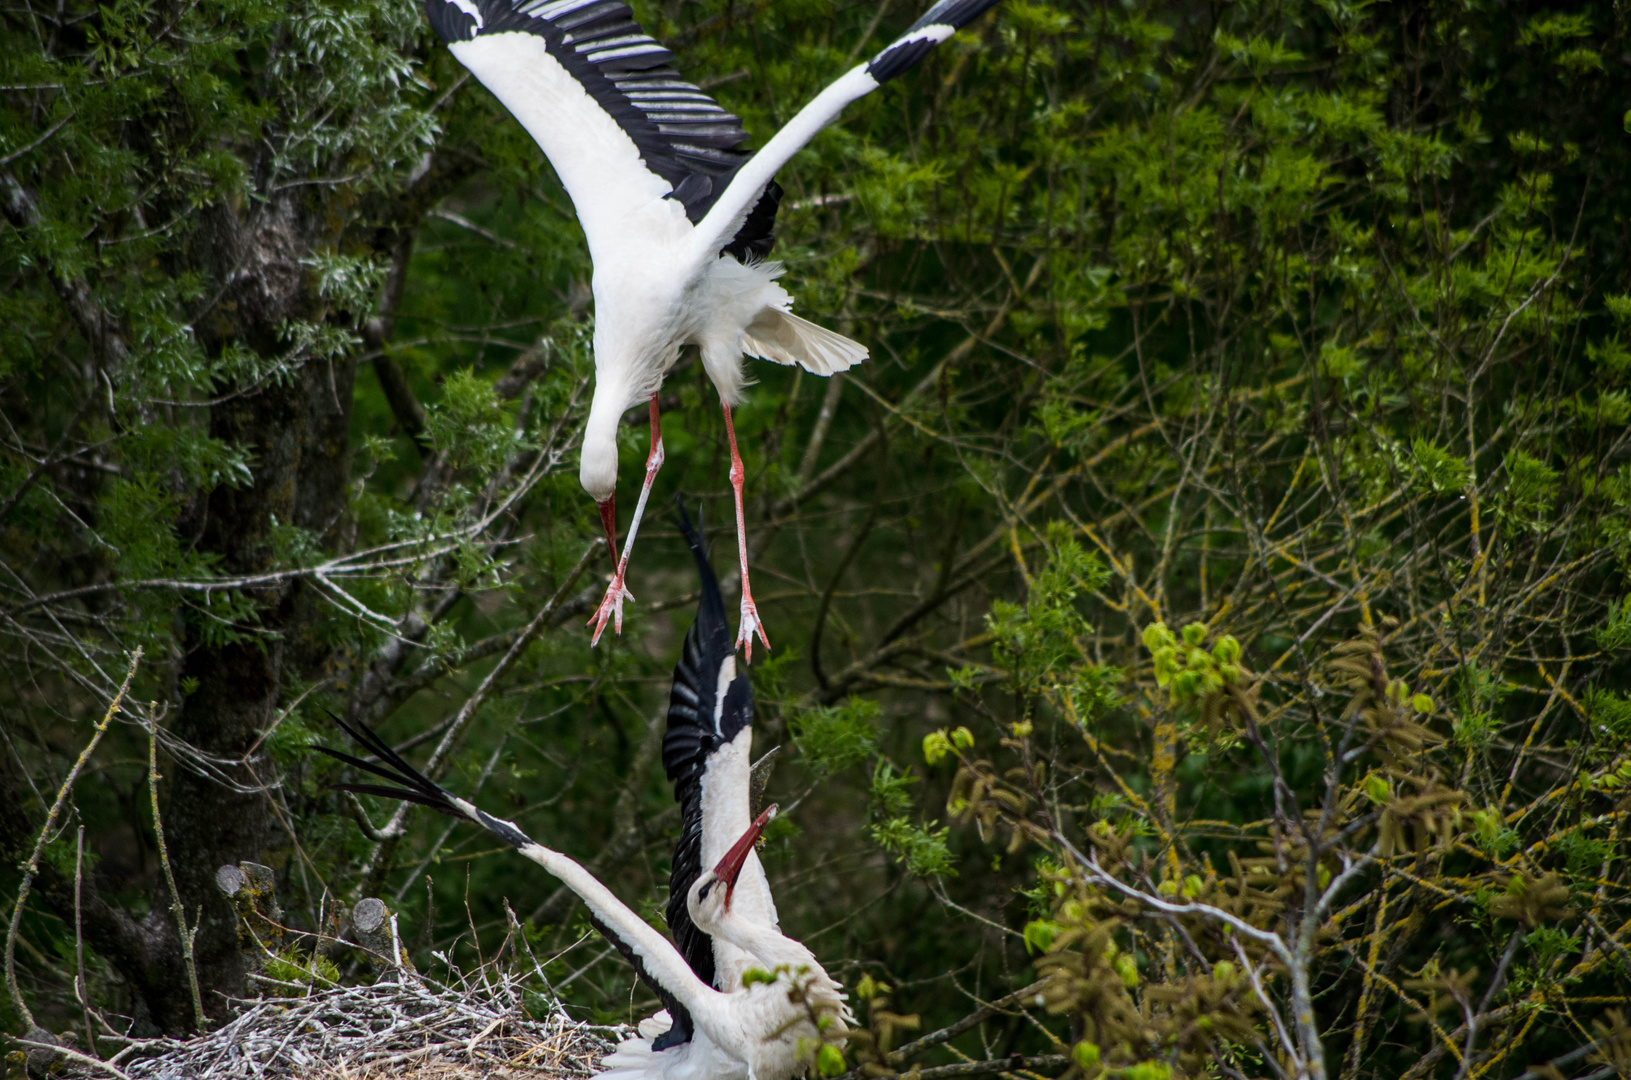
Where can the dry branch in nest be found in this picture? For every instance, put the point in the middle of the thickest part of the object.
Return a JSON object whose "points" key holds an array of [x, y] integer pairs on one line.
{"points": [[407, 1030]]}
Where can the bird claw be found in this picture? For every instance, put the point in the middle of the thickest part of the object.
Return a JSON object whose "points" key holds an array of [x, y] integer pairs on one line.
{"points": [[611, 607], [750, 625]]}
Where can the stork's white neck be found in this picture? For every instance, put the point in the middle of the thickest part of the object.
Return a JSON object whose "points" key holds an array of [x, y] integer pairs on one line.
{"points": [[726, 815], [772, 948], [597, 468], [778, 953]]}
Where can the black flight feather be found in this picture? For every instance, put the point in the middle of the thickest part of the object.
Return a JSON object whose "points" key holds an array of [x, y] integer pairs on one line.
{"points": [[681, 133], [680, 1030], [414, 787], [907, 50]]}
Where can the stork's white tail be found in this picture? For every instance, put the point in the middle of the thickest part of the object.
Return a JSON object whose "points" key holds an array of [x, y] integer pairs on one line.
{"points": [[783, 337], [699, 1059], [632, 1060]]}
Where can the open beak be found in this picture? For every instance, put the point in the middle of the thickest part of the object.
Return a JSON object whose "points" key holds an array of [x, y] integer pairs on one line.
{"points": [[730, 867]]}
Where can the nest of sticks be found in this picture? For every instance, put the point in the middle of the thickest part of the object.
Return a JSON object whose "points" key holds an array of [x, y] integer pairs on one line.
{"points": [[406, 1028]]}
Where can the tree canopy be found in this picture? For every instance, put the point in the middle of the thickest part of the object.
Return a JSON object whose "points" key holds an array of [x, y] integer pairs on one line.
{"points": [[1206, 611]]}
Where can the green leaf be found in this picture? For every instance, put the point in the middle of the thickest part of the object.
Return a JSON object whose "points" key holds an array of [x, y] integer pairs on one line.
{"points": [[834, 737]]}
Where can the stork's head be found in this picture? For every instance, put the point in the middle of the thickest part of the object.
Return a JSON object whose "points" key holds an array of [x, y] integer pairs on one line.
{"points": [[597, 469], [710, 898], [633, 347]]}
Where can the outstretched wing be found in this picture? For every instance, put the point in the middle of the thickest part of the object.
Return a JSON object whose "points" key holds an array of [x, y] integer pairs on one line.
{"points": [[698, 724], [410, 785], [621, 128], [738, 203]]}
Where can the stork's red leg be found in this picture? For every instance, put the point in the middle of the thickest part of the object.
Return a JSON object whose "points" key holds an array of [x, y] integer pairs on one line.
{"points": [[750, 623], [611, 605]]}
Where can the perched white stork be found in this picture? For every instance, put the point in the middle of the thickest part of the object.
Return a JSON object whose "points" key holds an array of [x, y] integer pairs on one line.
{"points": [[760, 1032], [678, 218], [705, 756], [706, 751], [810, 1003]]}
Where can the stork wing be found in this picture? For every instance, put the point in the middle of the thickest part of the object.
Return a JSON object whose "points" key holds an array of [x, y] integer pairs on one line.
{"points": [[653, 958], [748, 186], [697, 726], [620, 126]]}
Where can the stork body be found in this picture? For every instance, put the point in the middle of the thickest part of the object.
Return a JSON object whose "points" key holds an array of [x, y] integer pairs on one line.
{"points": [[677, 216], [759, 1032], [707, 750]]}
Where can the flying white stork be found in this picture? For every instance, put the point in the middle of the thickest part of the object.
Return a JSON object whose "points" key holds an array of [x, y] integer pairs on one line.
{"points": [[761, 1032], [678, 218]]}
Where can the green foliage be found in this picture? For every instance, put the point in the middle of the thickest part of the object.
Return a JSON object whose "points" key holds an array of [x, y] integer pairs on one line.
{"points": [[289, 741], [830, 1060], [1583, 854], [314, 971], [1615, 633], [921, 848], [1530, 492], [1438, 469], [1203, 344], [1036, 640], [835, 737], [470, 426], [351, 283], [938, 744], [1492, 834], [1610, 713]]}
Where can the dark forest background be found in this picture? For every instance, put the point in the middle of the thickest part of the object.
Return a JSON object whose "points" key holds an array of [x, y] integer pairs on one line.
{"points": [[1209, 600]]}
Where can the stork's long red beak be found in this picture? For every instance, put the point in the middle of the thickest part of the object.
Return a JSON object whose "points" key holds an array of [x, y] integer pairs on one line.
{"points": [[730, 867], [608, 520]]}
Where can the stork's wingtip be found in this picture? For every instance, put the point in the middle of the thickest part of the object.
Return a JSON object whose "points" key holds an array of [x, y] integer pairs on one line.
{"points": [[710, 628], [692, 534], [937, 24], [454, 20]]}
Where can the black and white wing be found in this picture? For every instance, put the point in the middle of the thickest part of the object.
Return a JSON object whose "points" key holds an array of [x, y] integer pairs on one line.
{"points": [[410, 785], [699, 723], [622, 129], [738, 204]]}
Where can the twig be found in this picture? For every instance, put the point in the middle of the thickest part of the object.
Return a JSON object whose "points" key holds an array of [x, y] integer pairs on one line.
{"points": [[45, 832], [75, 1055], [176, 907], [52, 130], [978, 1016], [381, 858], [995, 1065], [345, 1031], [81, 989]]}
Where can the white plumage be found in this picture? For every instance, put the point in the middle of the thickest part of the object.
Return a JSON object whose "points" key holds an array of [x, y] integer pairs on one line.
{"points": [[761, 1032], [707, 747], [765, 1027], [678, 218]]}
